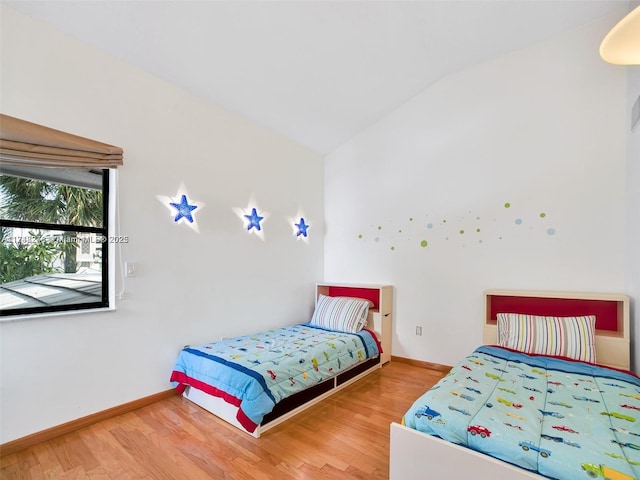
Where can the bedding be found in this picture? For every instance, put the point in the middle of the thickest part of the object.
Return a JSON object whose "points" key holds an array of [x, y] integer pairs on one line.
{"points": [[573, 337], [343, 314], [559, 417], [255, 372]]}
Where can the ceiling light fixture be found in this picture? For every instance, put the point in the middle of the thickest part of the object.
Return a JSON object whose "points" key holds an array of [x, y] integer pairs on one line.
{"points": [[621, 46]]}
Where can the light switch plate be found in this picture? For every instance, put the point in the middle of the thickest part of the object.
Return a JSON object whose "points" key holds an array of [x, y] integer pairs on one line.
{"points": [[130, 269]]}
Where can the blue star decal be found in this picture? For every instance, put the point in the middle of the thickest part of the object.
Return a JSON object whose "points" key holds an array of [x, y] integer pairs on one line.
{"points": [[254, 220], [184, 209], [302, 228]]}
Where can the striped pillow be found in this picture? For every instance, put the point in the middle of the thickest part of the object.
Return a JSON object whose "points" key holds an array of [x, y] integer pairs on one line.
{"points": [[343, 314], [572, 337]]}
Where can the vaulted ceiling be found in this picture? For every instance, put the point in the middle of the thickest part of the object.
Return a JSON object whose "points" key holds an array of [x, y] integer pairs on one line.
{"points": [[318, 72]]}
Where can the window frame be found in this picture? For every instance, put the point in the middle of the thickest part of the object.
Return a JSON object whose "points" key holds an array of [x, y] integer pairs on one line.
{"points": [[107, 300]]}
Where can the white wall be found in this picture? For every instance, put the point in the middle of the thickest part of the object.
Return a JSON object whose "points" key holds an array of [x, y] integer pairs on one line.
{"points": [[542, 129], [633, 209], [189, 287]]}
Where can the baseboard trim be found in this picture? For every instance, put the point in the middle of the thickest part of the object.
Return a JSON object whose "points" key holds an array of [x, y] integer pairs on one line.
{"points": [[68, 427], [419, 363]]}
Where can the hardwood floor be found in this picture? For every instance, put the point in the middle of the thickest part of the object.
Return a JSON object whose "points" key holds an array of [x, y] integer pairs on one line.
{"points": [[346, 436]]}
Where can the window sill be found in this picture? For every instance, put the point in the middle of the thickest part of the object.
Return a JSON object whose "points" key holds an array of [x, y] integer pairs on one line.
{"points": [[33, 316]]}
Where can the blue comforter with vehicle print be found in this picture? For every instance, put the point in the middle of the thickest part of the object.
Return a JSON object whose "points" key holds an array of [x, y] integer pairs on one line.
{"points": [[561, 418], [255, 372]]}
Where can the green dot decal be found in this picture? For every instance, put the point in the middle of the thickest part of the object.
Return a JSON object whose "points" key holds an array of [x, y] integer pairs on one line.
{"points": [[411, 219], [542, 215], [360, 236], [507, 205], [478, 230], [379, 227], [461, 232], [393, 248], [424, 243]]}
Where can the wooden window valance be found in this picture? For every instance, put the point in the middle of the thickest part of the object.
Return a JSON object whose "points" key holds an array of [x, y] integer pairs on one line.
{"points": [[24, 143]]}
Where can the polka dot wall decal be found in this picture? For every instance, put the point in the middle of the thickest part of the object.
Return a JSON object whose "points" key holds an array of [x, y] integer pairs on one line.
{"points": [[488, 224]]}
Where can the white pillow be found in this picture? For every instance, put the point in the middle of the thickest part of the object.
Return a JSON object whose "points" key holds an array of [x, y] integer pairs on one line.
{"points": [[572, 337], [342, 314]]}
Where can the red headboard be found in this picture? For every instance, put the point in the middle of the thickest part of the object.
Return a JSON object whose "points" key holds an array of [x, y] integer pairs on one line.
{"points": [[605, 311], [372, 294], [612, 312]]}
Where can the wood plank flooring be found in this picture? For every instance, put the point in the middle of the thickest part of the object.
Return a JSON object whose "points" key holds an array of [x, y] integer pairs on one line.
{"points": [[346, 436]]}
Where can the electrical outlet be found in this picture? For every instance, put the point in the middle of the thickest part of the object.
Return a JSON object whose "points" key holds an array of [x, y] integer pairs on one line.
{"points": [[418, 330]]}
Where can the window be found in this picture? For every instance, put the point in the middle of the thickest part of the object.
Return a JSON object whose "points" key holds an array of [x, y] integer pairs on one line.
{"points": [[54, 253], [54, 219]]}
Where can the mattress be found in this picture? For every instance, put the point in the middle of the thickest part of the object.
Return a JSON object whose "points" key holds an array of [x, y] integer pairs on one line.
{"points": [[256, 372], [560, 418]]}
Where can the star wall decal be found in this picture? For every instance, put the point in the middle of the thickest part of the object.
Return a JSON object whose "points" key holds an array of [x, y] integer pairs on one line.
{"points": [[182, 208], [254, 220], [302, 228], [299, 226]]}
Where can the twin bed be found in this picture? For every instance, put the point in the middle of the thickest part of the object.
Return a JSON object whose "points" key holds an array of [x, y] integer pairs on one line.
{"points": [[255, 382], [539, 406]]}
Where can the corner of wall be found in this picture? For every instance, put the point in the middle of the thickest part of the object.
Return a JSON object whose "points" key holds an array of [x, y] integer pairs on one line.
{"points": [[633, 212]]}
